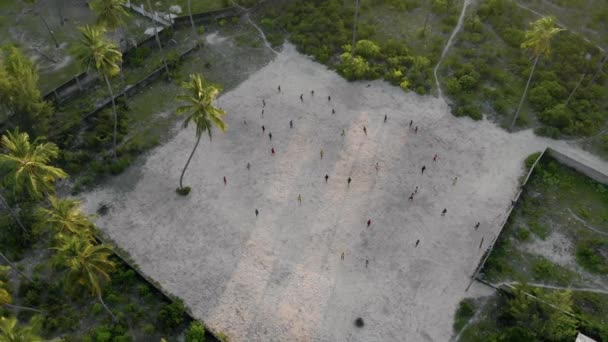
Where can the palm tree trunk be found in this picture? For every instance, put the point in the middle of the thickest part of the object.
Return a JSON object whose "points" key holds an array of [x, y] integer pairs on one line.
{"points": [[105, 77], [181, 178], [106, 307], [352, 52], [50, 31], [17, 307], [13, 266], [192, 23], [575, 88], [523, 97], [12, 213], [160, 46]]}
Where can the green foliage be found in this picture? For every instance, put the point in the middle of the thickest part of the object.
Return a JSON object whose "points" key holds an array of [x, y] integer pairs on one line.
{"points": [[19, 94], [539, 230], [222, 337], [465, 311], [26, 166], [183, 191], [491, 42], [367, 49], [592, 255], [523, 234], [196, 332], [172, 315], [11, 331], [547, 322], [531, 159], [137, 57], [356, 68]]}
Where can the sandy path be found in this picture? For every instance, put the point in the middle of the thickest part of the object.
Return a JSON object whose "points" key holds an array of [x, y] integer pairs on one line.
{"points": [[449, 43], [280, 277]]}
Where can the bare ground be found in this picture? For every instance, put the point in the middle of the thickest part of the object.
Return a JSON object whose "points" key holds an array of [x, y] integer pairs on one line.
{"points": [[280, 277]]}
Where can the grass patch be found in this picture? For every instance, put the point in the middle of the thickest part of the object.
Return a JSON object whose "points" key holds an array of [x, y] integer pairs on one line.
{"points": [[464, 313]]}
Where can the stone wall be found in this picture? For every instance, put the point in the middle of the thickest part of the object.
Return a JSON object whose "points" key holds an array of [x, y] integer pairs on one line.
{"points": [[571, 161]]}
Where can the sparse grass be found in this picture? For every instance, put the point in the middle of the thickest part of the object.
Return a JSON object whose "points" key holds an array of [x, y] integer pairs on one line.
{"points": [[553, 194], [466, 310]]}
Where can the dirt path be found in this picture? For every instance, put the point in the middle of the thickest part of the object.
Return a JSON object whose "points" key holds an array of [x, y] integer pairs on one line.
{"points": [[448, 45], [586, 224]]}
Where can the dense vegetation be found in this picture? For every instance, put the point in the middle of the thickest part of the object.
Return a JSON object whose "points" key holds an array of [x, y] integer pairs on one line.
{"points": [[551, 316], [487, 71], [324, 30], [62, 280], [559, 202]]}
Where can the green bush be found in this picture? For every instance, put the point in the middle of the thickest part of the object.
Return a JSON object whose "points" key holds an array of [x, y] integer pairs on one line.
{"points": [[531, 159], [523, 234], [222, 337], [119, 165], [549, 132], [196, 332], [172, 315], [538, 229], [367, 49], [138, 56], [183, 191], [591, 255], [354, 68], [465, 311]]}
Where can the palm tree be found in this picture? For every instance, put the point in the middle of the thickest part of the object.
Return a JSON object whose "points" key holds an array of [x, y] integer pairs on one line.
{"points": [[199, 97], [95, 50], [27, 165], [110, 13], [65, 217], [11, 332], [538, 43], [160, 46], [6, 299], [355, 28], [88, 264], [194, 35]]}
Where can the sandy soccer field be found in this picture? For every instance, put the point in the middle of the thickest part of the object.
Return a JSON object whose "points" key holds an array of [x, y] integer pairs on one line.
{"points": [[280, 276]]}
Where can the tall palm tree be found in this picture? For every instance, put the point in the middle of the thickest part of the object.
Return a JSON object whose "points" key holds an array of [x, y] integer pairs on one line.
{"points": [[6, 299], [538, 43], [95, 50], [194, 35], [110, 13], [160, 46], [27, 165], [65, 217], [355, 27], [199, 97], [88, 264], [10, 331]]}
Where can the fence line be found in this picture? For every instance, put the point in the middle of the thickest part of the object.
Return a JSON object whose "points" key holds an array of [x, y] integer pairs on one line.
{"points": [[488, 250]]}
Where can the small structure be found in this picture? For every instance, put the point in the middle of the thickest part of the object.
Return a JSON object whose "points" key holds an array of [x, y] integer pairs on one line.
{"points": [[582, 338]]}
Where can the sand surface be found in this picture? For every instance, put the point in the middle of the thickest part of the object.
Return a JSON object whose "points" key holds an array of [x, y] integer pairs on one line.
{"points": [[280, 277]]}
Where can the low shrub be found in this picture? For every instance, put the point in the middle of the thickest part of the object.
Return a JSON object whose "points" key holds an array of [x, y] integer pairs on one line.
{"points": [[531, 159], [172, 315], [196, 332], [538, 229], [548, 131], [465, 311], [183, 191], [523, 234], [592, 256]]}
